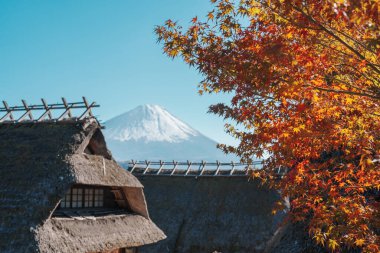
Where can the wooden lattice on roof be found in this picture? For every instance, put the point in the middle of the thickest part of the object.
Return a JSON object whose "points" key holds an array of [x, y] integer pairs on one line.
{"points": [[45, 111], [189, 168]]}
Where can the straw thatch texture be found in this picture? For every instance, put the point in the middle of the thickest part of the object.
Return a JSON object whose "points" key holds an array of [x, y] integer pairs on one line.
{"points": [[136, 200], [96, 170], [39, 162], [208, 214], [63, 235]]}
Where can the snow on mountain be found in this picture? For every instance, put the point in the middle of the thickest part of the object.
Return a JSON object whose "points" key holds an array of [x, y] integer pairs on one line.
{"points": [[149, 132], [149, 123]]}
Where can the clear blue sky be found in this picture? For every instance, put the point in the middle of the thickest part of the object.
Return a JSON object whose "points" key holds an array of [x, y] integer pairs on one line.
{"points": [[104, 50]]}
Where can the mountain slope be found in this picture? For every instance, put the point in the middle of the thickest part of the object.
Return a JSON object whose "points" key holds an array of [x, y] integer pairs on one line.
{"points": [[149, 132]]}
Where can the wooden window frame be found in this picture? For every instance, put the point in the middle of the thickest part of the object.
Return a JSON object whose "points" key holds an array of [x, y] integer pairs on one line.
{"points": [[78, 196], [83, 188]]}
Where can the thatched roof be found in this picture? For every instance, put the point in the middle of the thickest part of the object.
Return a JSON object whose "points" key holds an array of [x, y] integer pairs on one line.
{"points": [[62, 235], [210, 214], [39, 162], [96, 170]]}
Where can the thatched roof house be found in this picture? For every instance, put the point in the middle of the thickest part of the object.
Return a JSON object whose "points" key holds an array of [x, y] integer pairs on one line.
{"points": [[61, 191]]}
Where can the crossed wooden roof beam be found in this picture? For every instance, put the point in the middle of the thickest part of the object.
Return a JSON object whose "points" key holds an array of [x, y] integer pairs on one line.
{"points": [[189, 168], [47, 115]]}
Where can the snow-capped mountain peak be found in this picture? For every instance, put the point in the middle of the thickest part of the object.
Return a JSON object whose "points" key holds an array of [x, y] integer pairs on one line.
{"points": [[149, 123], [150, 132]]}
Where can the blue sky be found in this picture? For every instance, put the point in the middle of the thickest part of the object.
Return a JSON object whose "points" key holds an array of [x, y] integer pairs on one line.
{"points": [[105, 50]]}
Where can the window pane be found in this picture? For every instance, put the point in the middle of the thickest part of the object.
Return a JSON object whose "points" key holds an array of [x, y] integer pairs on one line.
{"points": [[98, 203], [88, 198], [99, 192], [80, 197], [83, 197], [98, 197], [77, 197], [65, 201]]}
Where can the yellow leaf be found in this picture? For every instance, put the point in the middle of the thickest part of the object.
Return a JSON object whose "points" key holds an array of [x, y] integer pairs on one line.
{"points": [[255, 174], [333, 244], [296, 129], [316, 97], [289, 35], [254, 11], [359, 242], [299, 179], [319, 238], [349, 100]]}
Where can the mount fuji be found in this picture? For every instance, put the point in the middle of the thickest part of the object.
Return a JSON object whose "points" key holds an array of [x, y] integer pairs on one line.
{"points": [[149, 132]]}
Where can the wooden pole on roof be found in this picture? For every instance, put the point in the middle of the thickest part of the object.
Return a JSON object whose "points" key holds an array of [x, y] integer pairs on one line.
{"points": [[47, 111], [147, 163], [175, 163], [88, 110], [233, 168], [89, 107], [66, 112], [67, 107], [134, 163], [28, 112], [161, 166], [188, 167], [217, 167], [8, 114], [203, 166]]}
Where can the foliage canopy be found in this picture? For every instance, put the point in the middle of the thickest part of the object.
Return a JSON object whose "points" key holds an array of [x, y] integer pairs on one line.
{"points": [[305, 79]]}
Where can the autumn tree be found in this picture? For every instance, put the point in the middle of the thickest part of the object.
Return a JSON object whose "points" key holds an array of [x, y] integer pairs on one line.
{"points": [[305, 80]]}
